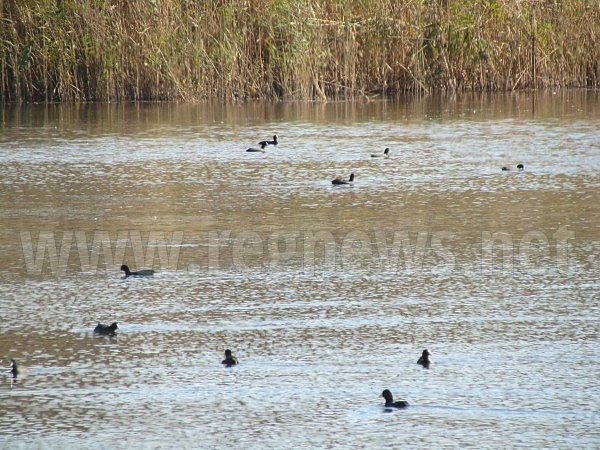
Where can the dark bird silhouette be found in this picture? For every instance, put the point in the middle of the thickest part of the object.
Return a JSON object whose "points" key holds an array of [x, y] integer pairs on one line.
{"points": [[141, 273], [229, 360], [425, 359], [386, 154], [14, 370], [389, 400], [263, 144], [520, 168], [339, 180], [273, 142], [106, 330]]}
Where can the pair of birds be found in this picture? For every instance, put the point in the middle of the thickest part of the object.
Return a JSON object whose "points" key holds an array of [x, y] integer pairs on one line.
{"points": [[231, 361], [425, 361], [520, 168], [263, 145], [110, 330], [338, 181]]}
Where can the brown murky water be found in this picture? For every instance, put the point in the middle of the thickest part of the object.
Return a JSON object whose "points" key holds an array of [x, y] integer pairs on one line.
{"points": [[327, 294]]}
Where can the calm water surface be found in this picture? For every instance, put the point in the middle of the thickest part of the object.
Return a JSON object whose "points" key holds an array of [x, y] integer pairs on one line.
{"points": [[326, 294]]}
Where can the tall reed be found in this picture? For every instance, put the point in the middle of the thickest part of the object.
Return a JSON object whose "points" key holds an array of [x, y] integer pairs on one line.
{"points": [[186, 50]]}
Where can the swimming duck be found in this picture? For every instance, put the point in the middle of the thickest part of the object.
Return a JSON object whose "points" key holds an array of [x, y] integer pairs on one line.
{"points": [[520, 167], [273, 142], [425, 359], [106, 330], [141, 273], [263, 144], [339, 180], [386, 154], [229, 360], [14, 370], [389, 400]]}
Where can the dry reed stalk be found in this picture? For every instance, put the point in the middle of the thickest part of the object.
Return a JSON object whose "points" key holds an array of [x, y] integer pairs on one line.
{"points": [[312, 49]]}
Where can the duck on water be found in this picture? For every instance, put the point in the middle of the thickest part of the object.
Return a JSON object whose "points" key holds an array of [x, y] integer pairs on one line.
{"points": [[389, 400], [263, 144], [386, 154], [106, 330], [229, 360], [425, 359], [140, 273], [340, 180], [273, 142], [14, 369], [520, 168]]}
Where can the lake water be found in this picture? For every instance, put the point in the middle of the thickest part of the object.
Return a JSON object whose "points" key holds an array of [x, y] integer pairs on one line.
{"points": [[326, 294]]}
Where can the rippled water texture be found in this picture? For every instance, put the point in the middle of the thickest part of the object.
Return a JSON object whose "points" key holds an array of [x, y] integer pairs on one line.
{"points": [[326, 294]]}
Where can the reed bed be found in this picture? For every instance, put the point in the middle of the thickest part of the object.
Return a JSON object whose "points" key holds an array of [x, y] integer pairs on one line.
{"points": [[188, 50]]}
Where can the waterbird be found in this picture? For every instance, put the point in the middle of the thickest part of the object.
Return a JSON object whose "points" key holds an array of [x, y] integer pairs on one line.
{"points": [[229, 360], [425, 359], [339, 180], [141, 273], [273, 142], [14, 370], [263, 144], [106, 330], [386, 154], [520, 167], [389, 400]]}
